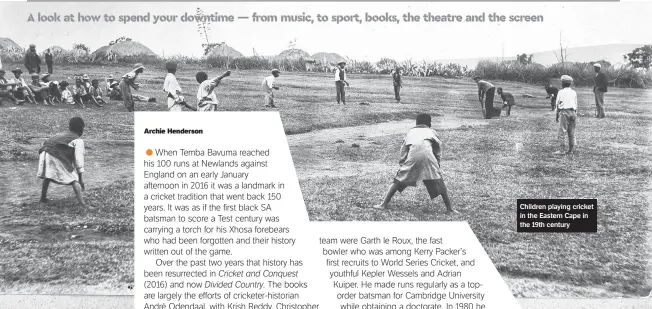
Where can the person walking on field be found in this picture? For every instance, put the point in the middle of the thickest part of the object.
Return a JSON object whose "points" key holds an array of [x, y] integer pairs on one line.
{"points": [[486, 93], [420, 161], [61, 160], [600, 88], [398, 84], [567, 110], [48, 60], [32, 60], [340, 82]]}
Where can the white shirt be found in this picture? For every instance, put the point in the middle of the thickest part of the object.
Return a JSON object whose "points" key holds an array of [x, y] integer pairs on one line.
{"points": [[567, 99], [268, 83], [337, 74], [171, 86], [19, 81], [66, 96], [203, 92]]}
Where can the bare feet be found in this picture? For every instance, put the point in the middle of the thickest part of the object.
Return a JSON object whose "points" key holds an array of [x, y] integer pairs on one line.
{"points": [[44, 202], [379, 207], [452, 212]]}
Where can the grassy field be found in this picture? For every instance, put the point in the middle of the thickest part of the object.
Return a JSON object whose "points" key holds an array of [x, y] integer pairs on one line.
{"points": [[345, 157]]}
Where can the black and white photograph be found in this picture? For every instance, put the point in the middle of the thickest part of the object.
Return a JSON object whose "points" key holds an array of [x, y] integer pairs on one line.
{"points": [[451, 116]]}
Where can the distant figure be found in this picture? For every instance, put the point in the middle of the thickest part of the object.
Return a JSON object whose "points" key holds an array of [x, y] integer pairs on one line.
{"points": [[61, 160], [340, 81], [269, 86], [567, 109], [398, 83], [507, 98], [172, 89], [207, 92], [32, 60], [486, 93], [420, 162], [552, 95], [600, 88], [48, 60]]}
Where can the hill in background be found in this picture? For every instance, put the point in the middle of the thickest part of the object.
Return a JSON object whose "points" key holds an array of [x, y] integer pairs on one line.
{"points": [[612, 53]]}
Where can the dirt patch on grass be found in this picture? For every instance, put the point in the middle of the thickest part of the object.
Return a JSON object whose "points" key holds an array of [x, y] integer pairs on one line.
{"points": [[379, 129]]}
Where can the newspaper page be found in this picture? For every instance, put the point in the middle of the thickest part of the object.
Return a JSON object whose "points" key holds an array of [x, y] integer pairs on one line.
{"points": [[307, 155]]}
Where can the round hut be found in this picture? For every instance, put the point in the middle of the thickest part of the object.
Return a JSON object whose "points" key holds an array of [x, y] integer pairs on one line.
{"points": [[224, 51], [9, 44], [297, 54], [123, 50]]}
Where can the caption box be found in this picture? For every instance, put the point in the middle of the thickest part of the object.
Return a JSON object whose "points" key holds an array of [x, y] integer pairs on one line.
{"points": [[557, 215]]}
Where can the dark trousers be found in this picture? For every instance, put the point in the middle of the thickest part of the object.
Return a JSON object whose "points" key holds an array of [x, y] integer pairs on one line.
{"points": [[553, 101], [397, 92], [36, 69], [339, 87], [488, 108], [50, 68]]}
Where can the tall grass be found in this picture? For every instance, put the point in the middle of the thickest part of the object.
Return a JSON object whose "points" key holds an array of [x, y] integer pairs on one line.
{"points": [[582, 73]]}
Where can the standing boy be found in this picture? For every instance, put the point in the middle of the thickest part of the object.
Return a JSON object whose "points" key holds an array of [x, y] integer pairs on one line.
{"points": [[567, 111], [269, 87], [398, 84], [172, 88], [48, 60], [600, 88], [207, 93], [340, 81]]}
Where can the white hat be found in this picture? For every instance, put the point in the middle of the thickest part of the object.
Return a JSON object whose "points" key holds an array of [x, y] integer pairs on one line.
{"points": [[566, 78], [597, 65]]}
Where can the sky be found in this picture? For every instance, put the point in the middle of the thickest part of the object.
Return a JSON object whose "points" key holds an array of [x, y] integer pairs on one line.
{"points": [[580, 24]]}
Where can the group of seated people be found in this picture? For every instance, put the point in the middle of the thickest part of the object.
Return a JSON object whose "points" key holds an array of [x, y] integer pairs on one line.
{"points": [[43, 91]]}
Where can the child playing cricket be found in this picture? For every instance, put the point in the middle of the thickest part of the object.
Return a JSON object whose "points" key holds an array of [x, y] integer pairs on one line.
{"points": [[269, 87], [420, 158], [61, 161], [173, 89], [207, 92]]}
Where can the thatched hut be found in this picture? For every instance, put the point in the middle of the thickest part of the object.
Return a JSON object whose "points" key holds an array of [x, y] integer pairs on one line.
{"points": [[327, 59], [56, 50], [297, 54], [224, 51], [9, 44], [293, 54], [123, 50]]}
